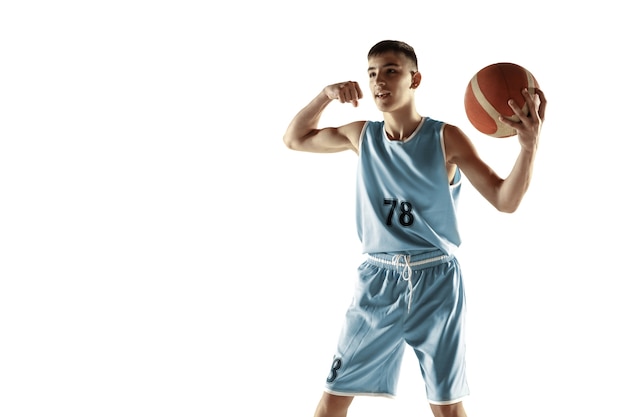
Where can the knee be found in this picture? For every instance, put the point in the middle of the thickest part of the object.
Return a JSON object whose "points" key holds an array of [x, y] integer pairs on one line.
{"points": [[333, 405], [451, 410]]}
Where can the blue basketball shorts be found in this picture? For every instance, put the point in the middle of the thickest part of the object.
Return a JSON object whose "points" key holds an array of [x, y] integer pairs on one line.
{"points": [[403, 300]]}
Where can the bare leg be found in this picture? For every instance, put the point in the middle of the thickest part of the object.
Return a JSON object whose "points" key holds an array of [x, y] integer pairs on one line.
{"points": [[333, 405], [452, 410]]}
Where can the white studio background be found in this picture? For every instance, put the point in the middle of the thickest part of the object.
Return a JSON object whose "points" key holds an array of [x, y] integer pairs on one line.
{"points": [[163, 254]]}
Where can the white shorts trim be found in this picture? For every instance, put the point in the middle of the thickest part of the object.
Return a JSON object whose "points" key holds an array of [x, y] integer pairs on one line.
{"points": [[360, 394], [450, 402]]}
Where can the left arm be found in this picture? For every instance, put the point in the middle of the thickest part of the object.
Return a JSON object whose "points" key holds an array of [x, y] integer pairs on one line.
{"points": [[504, 194]]}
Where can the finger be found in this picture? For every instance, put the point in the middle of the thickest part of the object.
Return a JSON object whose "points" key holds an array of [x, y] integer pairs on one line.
{"points": [[348, 94], [531, 104], [510, 123], [358, 90], [341, 92], [357, 94], [516, 109], [351, 93], [543, 104]]}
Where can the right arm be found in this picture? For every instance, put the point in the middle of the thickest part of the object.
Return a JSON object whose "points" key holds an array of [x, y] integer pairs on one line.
{"points": [[303, 133]]}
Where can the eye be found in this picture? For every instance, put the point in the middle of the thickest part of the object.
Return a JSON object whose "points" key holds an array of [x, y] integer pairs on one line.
{"points": [[372, 74]]}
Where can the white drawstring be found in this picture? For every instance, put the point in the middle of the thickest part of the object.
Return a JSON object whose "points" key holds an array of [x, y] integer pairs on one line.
{"points": [[406, 273]]}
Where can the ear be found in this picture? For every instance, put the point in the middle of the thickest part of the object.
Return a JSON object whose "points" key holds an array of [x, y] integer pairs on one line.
{"points": [[417, 79]]}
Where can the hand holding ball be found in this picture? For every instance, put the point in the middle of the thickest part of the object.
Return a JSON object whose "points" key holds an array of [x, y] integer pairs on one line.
{"points": [[488, 93]]}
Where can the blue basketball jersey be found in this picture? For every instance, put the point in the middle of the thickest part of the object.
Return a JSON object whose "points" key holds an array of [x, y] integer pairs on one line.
{"points": [[405, 203]]}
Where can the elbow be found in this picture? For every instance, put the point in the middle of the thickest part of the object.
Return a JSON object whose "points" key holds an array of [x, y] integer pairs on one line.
{"points": [[507, 200], [508, 207], [289, 142], [293, 141]]}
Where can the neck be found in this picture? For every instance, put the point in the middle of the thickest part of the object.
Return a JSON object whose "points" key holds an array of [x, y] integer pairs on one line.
{"points": [[400, 126]]}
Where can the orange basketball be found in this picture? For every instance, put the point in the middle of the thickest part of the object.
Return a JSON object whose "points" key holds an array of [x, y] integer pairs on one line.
{"points": [[488, 93]]}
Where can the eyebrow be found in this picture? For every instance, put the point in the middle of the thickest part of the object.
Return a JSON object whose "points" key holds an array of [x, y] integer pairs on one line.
{"points": [[390, 64]]}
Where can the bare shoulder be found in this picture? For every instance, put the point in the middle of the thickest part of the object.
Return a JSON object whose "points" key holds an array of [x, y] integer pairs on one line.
{"points": [[345, 137], [353, 132], [460, 151], [458, 145]]}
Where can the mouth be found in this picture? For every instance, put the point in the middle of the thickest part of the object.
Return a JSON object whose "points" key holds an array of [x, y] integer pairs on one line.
{"points": [[382, 95]]}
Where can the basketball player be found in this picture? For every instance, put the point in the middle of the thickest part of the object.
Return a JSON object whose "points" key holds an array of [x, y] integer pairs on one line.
{"points": [[409, 289]]}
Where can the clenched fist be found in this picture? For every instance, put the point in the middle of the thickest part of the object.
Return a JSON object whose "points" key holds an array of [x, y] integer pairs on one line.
{"points": [[345, 92]]}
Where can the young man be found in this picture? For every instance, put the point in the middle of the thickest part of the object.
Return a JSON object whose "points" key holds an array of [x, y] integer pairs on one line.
{"points": [[409, 289]]}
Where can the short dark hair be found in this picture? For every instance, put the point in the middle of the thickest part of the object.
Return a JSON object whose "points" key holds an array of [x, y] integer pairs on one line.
{"points": [[394, 46]]}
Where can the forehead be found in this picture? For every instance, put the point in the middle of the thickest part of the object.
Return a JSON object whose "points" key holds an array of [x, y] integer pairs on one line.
{"points": [[387, 59]]}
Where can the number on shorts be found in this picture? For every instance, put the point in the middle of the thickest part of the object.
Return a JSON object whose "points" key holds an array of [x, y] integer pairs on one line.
{"points": [[334, 369]]}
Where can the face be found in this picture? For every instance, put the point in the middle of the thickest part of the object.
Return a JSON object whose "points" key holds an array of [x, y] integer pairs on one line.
{"points": [[393, 80]]}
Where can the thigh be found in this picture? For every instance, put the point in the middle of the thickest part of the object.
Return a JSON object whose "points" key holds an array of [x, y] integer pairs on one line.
{"points": [[436, 331], [370, 348]]}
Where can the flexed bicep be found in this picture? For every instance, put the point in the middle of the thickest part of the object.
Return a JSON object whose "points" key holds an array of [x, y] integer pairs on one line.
{"points": [[331, 139]]}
